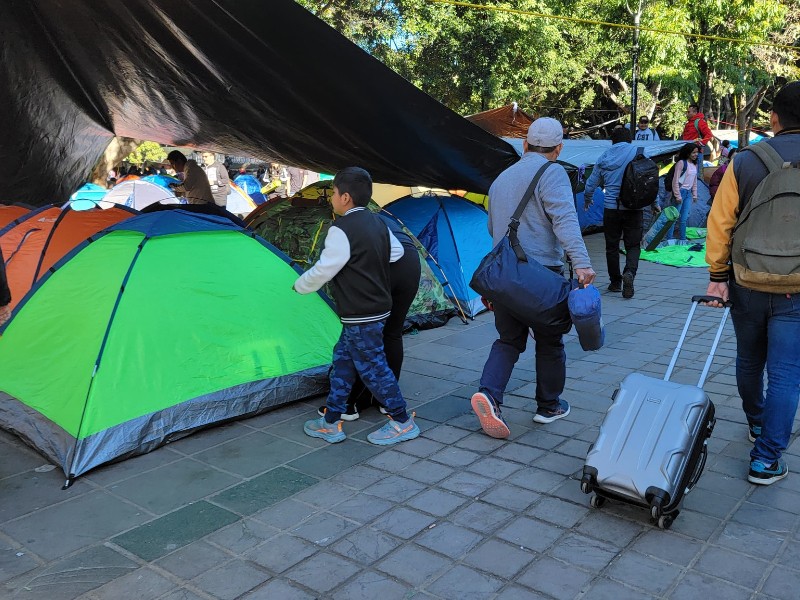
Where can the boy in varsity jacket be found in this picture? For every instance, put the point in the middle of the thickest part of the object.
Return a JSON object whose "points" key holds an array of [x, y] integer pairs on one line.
{"points": [[355, 259]]}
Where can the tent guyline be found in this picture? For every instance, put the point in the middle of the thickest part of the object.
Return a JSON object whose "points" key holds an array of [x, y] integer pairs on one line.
{"points": [[699, 36]]}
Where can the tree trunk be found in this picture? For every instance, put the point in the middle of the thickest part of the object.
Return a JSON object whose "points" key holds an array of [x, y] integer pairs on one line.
{"points": [[741, 121], [117, 150]]}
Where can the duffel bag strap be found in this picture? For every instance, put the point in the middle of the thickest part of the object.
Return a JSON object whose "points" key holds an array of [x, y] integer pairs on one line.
{"points": [[514, 225]]}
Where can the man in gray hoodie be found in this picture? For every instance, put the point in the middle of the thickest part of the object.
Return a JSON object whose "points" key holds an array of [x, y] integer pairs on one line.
{"points": [[548, 227], [618, 222]]}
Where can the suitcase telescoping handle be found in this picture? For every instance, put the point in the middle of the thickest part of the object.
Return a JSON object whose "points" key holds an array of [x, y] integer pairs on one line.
{"points": [[695, 301]]}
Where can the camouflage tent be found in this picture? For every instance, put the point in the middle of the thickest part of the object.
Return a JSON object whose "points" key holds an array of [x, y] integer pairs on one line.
{"points": [[298, 227]]}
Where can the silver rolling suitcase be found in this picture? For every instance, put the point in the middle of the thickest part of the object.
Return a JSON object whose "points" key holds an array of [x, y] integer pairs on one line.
{"points": [[653, 442]]}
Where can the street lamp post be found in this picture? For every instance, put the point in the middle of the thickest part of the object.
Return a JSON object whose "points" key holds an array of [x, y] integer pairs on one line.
{"points": [[637, 17]]}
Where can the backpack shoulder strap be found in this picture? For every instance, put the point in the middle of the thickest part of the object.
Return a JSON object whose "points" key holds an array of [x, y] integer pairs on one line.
{"points": [[639, 151], [697, 128], [767, 155], [514, 225]]}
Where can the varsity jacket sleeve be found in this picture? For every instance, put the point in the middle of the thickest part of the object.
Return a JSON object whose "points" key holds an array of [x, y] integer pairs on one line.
{"points": [[721, 221], [397, 250], [334, 256]]}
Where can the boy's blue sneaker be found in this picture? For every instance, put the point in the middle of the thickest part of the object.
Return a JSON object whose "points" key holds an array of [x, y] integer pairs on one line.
{"points": [[330, 432], [548, 415], [763, 474], [753, 431], [489, 416], [394, 432]]}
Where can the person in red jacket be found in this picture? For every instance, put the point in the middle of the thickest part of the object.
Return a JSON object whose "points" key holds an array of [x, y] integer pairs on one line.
{"points": [[697, 130]]}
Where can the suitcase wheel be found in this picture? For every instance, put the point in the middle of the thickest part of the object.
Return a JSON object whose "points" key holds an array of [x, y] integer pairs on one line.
{"points": [[597, 501], [655, 511], [586, 487], [664, 522]]}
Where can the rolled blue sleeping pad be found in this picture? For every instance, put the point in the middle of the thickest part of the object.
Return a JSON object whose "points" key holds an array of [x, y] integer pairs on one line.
{"points": [[584, 308]]}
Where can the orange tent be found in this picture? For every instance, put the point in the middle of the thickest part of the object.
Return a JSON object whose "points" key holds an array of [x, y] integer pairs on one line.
{"points": [[506, 121], [10, 213], [44, 236]]}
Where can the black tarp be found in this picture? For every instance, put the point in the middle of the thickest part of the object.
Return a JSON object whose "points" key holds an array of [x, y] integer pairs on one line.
{"points": [[248, 77]]}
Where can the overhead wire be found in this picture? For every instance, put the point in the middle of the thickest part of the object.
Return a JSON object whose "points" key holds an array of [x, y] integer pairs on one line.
{"points": [[686, 34]]}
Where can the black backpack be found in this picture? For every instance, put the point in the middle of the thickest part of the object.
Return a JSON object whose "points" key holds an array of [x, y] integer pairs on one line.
{"points": [[640, 182], [670, 176]]}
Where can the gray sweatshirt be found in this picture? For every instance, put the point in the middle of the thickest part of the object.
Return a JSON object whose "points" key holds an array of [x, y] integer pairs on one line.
{"points": [[552, 201]]}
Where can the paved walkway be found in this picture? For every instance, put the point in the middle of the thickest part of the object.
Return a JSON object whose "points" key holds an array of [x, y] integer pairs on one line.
{"points": [[257, 510]]}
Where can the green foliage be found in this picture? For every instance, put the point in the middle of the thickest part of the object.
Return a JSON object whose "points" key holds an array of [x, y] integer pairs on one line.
{"points": [[473, 60], [147, 152]]}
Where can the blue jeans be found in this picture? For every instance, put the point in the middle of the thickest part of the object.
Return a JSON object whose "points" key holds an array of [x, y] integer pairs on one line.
{"points": [[684, 208], [551, 360], [767, 333], [359, 352]]}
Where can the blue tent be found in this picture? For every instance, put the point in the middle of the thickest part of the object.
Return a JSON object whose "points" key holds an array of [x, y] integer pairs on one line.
{"points": [[162, 180], [454, 231], [251, 187], [91, 192]]}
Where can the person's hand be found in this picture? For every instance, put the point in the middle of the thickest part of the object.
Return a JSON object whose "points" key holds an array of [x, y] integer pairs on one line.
{"points": [[694, 198], [677, 199], [586, 204], [585, 276], [5, 314], [718, 289], [656, 208]]}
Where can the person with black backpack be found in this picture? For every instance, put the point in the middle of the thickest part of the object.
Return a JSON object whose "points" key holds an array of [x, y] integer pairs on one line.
{"points": [[753, 253], [630, 182]]}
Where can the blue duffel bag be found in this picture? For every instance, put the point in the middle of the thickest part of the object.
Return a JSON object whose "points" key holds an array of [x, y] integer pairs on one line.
{"points": [[584, 308], [536, 295]]}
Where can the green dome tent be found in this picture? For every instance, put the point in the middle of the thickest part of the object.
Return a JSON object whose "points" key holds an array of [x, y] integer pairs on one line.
{"points": [[298, 227], [155, 327]]}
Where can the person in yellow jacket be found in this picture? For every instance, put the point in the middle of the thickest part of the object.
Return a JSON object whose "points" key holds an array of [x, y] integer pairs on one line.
{"points": [[766, 312]]}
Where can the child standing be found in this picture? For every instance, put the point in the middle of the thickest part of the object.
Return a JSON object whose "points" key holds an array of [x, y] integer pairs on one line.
{"points": [[355, 259]]}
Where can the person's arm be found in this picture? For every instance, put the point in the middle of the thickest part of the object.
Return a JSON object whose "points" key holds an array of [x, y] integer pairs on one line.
{"points": [[397, 250], [222, 178], [721, 221], [591, 185], [676, 180], [698, 175], [705, 132], [555, 193], [334, 256]]}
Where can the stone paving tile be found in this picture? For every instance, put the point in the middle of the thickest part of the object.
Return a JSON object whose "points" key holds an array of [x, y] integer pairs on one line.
{"points": [[697, 586], [584, 552], [482, 517], [242, 535], [731, 566], [278, 589], [436, 502], [449, 539], [644, 572], [395, 488], [455, 457], [783, 583], [181, 594], [281, 552], [499, 558], [515, 592], [403, 522], [604, 589], [231, 580], [428, 472], [668, 547], [264, 490], [251, 454], [494, 468], [467, 484], [30, 491], [752, 541], [462, 583], [362, 508], [392, 461], [519, 453], [510, 496], [369, 586], [284, 514], [366, 545], [324, 494], [360, 476], [559, 512], [178, 483], [322, 572], [413, 564], [334, 458], [13, 562], [554, 578], [445, 434], [175, 530], [56, 531], [193, 560], [142, 584], [530, 533], [420, 447], [445, 408], [72, 576], [324, 529]]}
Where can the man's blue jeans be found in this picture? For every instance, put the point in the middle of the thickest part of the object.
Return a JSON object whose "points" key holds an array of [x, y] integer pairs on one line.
{"points": [[767, 335], [684, 208], [551, 360]]}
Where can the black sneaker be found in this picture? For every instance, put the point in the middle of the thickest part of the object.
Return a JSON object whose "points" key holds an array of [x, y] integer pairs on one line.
{"points": [[753, 431], [615, 286], [627, 285], [548, 415], [763, 474], [350, 415]]}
